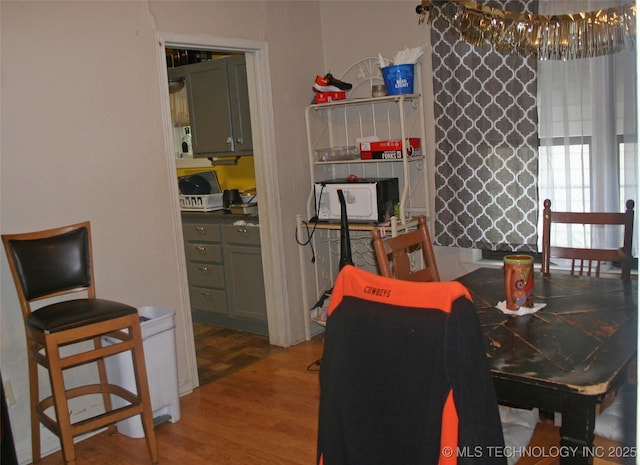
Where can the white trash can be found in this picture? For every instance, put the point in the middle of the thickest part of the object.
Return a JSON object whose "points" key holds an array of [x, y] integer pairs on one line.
{"points": [[159, 342]]}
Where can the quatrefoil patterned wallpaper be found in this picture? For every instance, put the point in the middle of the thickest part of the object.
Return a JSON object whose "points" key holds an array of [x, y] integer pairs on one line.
{"points": [[486, 142]]}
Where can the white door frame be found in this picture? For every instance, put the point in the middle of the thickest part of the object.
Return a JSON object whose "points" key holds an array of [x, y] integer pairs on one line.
{"points": [[261, 109]]}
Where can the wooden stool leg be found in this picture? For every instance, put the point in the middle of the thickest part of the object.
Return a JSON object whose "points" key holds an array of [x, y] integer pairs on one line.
{"points": [[60, 400], [34, 394], [142, 385], [102, 373]]}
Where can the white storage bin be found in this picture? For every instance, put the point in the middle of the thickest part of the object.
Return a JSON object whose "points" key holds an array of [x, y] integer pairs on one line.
{"points": [[159, 341]]}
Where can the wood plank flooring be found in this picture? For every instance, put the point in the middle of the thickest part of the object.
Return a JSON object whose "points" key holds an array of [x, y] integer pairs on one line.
{"points": [[263, 414], [221, 351]]}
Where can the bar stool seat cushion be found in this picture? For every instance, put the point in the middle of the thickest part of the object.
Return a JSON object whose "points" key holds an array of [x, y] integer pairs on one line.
{"points": [[76, 313]]}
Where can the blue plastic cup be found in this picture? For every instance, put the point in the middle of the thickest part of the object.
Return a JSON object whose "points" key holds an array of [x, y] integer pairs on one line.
{"points": [[398, 79]]}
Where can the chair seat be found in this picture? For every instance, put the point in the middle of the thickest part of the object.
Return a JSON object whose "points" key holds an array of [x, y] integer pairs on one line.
{"points": [[70, 314]]}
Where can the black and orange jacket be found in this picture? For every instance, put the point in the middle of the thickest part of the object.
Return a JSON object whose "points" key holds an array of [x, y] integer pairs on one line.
{"points": [[404, 378]]}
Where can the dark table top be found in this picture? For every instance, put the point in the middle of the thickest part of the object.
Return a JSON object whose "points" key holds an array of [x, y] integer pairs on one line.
{"points": [[581, 342]]}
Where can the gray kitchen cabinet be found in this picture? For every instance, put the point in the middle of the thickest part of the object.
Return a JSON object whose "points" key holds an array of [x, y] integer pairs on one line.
{"points": [[218, 106], [243, 272], [205, 272], [224, 270], [240, 113]]}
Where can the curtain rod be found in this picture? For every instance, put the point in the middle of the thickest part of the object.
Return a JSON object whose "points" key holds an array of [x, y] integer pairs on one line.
{"points": [[544, 37]]}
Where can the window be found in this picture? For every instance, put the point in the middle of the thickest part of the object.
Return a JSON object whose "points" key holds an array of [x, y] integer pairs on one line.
{"points": [[587, 154], [569, 172], [587, 126], [565, 172]]}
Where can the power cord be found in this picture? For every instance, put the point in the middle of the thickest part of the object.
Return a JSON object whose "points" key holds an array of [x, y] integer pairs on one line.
{"points": [[308, 241], [313, 230]]}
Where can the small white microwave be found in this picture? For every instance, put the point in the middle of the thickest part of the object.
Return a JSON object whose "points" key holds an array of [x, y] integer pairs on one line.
{"points": [[366, 199]]}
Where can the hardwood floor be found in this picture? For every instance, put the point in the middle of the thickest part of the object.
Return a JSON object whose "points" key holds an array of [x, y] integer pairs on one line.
{"points": [[264, 413], [221, 351], [543, 450]]}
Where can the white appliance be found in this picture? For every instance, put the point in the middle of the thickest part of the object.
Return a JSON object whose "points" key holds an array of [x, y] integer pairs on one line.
{"points": [[367, 200]]}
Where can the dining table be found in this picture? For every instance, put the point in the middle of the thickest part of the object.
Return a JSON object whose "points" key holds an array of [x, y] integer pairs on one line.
{"points": [[565, 357]]}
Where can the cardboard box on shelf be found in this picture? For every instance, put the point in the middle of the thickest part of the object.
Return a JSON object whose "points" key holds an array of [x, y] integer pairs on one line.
{"points": [[389, 149], [324, 97]]}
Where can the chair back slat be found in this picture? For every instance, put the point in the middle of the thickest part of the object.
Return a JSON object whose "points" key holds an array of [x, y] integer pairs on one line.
{"points": [[400, 248], [587, 260]]}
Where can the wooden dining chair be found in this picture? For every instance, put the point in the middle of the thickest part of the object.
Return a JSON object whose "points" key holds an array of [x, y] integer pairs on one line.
{"points": [[587, 260], [517, 424], [400, 248], [67, 334]]}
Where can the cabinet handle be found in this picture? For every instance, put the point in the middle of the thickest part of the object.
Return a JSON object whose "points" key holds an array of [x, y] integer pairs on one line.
{"points": [[229, 141], [206, 294], [239, 140], [200, 229], [204, 269], [201, 248], [242, 230]]}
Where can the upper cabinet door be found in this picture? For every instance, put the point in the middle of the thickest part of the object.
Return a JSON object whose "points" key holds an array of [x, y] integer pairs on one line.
{"points": [[219, 107], [210, 107], [239, 93]]}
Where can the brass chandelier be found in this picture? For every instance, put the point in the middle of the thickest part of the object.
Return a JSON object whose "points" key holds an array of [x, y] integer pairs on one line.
{"points": [[557, 37]]}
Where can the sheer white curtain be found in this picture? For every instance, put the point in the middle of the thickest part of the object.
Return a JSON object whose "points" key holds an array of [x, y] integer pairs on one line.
{"points": [[588, 133]]}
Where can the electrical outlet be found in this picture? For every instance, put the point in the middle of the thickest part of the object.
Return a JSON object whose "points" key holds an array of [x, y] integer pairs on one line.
{"points": [[8, 393]]}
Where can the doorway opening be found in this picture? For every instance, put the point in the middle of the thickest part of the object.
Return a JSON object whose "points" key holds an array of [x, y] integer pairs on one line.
{"points": [[266, 181]]}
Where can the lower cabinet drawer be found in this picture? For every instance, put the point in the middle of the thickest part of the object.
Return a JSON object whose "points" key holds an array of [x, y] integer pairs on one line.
{"points": [[212, 300], [203, 252], [246, 235], [205, 274], [201, 232]]}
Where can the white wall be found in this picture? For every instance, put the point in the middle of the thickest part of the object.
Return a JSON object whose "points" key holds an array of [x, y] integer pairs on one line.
{"points": [[82, 137]]}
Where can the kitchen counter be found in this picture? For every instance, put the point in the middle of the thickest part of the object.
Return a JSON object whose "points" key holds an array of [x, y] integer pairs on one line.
{"points": [[220, 217]]}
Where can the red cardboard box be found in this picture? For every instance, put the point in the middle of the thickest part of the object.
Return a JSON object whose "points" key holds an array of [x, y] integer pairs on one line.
{"points": [[389, 149], [324, 97]]}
